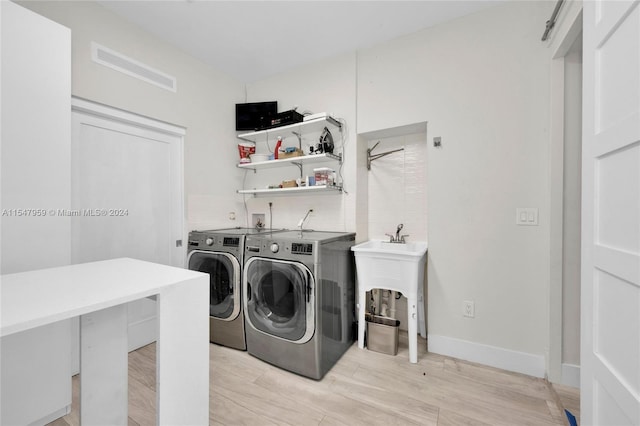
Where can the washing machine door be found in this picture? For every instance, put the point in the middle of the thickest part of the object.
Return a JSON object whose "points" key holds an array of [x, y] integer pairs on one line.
{"points": [[279, 298], [224, 282]]}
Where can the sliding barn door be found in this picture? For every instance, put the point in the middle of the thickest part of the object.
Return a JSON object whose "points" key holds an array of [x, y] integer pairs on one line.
{"points": [[610, 379]]}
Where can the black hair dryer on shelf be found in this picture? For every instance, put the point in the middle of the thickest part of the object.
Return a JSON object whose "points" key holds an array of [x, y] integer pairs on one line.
{"points": [[325, 145]]}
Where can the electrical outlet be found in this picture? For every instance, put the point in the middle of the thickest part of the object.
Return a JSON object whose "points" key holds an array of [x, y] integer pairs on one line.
{"points": [[469, 308]]}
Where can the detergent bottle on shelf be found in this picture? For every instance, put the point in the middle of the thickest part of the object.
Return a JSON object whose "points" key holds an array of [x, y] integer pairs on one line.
{"points": [[278, 144]]}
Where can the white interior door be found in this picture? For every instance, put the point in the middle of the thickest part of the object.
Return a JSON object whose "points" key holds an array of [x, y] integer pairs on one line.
{"points": [[610, 352], [126, 196]]}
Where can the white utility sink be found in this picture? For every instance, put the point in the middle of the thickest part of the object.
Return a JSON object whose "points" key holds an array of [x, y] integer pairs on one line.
{"points": [[384, 248], [391, 266]]}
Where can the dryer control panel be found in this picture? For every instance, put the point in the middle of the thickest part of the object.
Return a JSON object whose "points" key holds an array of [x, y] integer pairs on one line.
{"points": [[279, 248], [302, 248]]}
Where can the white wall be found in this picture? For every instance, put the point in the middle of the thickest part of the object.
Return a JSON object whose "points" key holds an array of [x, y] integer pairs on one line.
{"points": [[204, 102], [325, 87], [482, 83]]}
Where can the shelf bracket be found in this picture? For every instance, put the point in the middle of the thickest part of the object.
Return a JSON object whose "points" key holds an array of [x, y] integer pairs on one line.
{"points": [[335, 123], [371, 158], [299, 139], [299, 167]]}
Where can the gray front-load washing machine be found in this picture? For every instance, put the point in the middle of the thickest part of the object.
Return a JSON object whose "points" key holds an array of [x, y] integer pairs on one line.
{"points": [[219, 253], [298, 297]]}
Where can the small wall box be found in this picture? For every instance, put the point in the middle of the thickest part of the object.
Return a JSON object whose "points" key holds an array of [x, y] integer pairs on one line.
{"points": [[382, 334]]}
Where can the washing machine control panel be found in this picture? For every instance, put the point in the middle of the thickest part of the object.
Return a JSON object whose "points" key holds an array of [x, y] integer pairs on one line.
{"points": [[280, 248], [215, 242]]}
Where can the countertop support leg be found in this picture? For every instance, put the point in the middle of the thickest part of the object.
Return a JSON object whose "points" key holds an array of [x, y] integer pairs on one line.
{"points": [[183, 354], [104, 367]]}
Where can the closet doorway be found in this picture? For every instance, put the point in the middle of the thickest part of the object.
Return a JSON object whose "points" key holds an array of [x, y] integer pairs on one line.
{"points": [[126, 196]]}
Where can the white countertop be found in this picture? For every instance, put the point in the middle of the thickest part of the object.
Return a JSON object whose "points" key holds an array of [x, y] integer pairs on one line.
{"points": [[35, 298]]}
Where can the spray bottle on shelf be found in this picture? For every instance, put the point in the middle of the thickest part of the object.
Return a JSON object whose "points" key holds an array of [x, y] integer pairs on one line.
{"points": [[275, 154]]}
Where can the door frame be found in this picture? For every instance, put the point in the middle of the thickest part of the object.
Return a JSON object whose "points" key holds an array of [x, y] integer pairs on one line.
{"points": [[562, 42]]}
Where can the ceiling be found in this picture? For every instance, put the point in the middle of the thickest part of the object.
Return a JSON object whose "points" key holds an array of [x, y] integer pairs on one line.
{"points": [[252, 40]]}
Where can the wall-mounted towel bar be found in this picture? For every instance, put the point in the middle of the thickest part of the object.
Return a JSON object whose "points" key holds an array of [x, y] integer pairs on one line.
{"points": [[371, 158]]}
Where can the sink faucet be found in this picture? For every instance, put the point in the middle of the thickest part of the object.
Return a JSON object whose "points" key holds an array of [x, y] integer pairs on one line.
{"points": [[397, 238]]}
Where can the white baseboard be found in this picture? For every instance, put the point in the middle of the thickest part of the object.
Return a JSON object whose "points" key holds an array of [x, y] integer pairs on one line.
{"points": [[141, 333], [505, 359], [571, 375], [53, 416]]}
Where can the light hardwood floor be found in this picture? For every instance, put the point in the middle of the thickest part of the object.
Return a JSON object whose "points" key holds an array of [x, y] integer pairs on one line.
{"points": [[569, 398], [364, 387]]}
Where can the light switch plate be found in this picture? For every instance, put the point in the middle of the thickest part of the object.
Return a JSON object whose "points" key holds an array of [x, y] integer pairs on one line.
{"points": [[527, 216]]}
